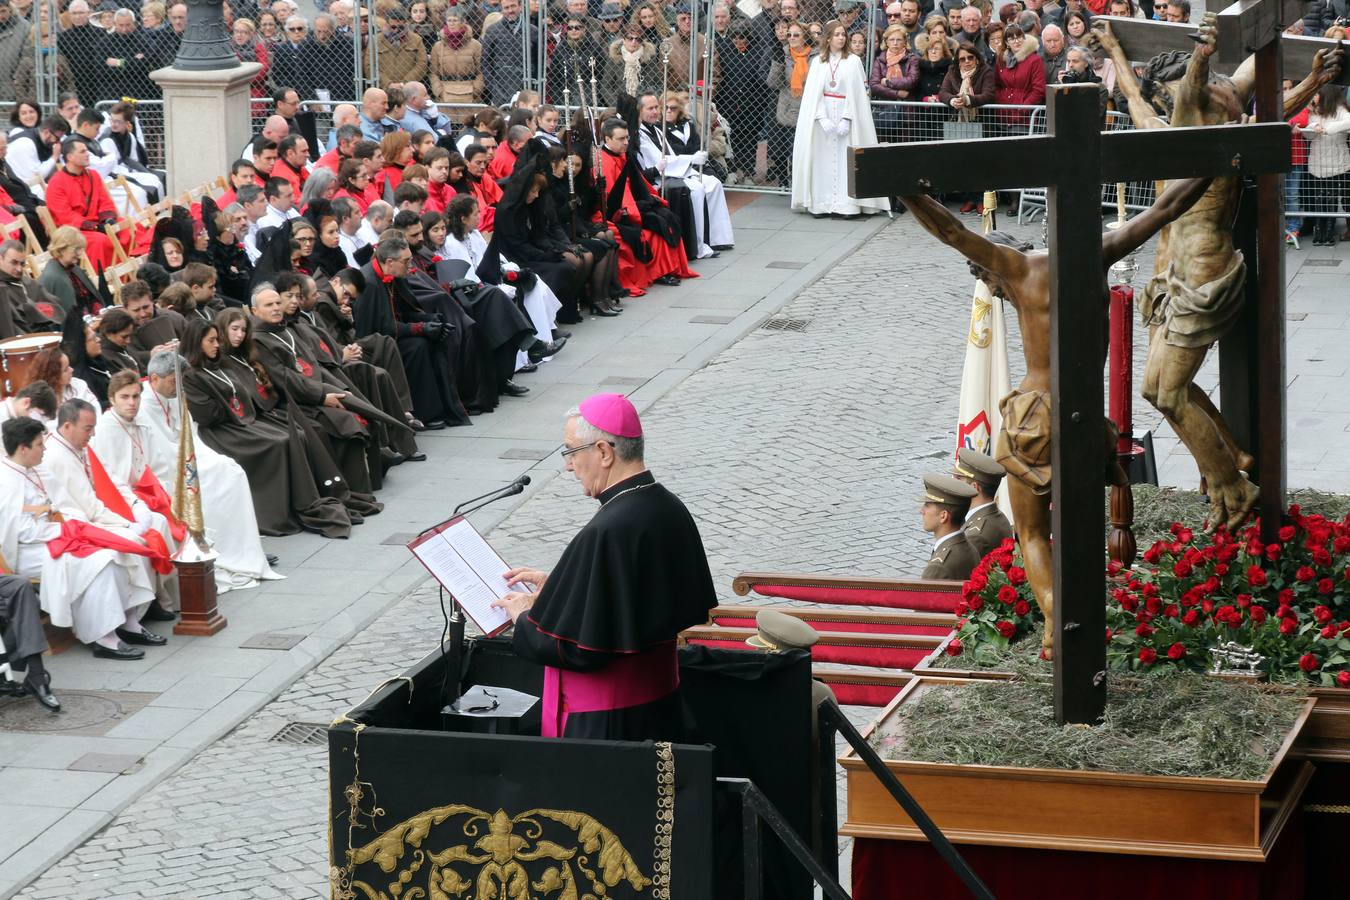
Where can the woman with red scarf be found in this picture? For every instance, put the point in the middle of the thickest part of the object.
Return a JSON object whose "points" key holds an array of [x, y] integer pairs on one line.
{"points": [[456, 63]]}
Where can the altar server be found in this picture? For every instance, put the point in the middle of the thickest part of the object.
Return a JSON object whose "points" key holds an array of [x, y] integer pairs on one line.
{"points": [[604, 621], [834, 116], [100, 595], [227, 501]]}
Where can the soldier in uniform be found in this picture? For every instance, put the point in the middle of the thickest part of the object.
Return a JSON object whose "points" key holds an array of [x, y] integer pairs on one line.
{"points": [[945, 504], [986, 526]]}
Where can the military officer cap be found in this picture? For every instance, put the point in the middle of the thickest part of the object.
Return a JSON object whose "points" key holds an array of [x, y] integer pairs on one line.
{"points": [[979, 467], [948, 491], [779, 631]]}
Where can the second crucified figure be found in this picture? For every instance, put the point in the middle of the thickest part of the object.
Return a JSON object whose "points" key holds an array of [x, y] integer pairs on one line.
{"points": [[1199, 278]]}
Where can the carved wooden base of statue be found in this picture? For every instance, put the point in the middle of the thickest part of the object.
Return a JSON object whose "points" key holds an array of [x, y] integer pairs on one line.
{"points": [[199, 616]]}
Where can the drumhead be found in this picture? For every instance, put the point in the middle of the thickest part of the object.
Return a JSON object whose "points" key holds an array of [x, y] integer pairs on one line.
{"points": [[29, 342]]}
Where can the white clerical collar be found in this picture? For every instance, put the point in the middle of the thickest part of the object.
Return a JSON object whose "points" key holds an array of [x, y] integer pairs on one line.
{"points": [[975, 509], [937, 544]]}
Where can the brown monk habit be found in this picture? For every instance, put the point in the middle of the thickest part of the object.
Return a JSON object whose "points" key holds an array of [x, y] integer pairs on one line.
{"points": [[231, 421], [341, 431]]}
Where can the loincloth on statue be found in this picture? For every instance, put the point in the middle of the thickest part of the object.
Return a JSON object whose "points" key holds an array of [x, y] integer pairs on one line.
{"points": [[1194, 317], [1023, 444]]}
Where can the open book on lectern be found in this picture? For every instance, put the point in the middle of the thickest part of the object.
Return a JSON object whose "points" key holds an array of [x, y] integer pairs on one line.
{"points": [[465, 564]]}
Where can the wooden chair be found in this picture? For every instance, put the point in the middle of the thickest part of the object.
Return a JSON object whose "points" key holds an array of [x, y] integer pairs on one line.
{"points": [[36, 262], [118, 274], [45, 217], [20, 230], [132, 206]]}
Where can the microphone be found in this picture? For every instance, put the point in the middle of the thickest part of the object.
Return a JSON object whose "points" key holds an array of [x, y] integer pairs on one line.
{"points": [[510, 490]]}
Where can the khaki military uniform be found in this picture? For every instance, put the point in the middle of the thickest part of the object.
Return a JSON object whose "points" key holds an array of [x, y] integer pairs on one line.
{"points": [[986, 528], [953, 561]]}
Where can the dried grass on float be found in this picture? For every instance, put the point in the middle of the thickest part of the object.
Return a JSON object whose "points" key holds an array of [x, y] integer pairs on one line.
{"points": [[1180, 724]]}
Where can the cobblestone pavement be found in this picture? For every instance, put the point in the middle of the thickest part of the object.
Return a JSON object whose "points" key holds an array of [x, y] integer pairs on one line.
{"points": [[794, 449]]}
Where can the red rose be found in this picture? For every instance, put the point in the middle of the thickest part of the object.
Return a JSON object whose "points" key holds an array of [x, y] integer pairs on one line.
{"points": [[1322, 614], [1321, 556], [1170, 611], [1256, 576], [1006, 546], [1341, 544], [1185, 535], [1017, 575], [1148, 656], [979, 581], [1330, 632], [1007, 594], [954, 647], [1286, 597], [1273, 552], [1143, 630], [1307, 662], [1287, 533], [1176, 651], [977, 603], [1221, 569], [1288, 626], [1153, 605], [1343, 678], [1326, 586], [1108, 635], [1244, 601], [961, 609], [1021, 608], [1006, 628], [1114, 567], [1153, 554], [1258, 614], [1191, 619], [1305, 574]]}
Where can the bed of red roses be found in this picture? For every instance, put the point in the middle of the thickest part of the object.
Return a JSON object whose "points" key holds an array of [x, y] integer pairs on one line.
{"points": [[1191, 592]]}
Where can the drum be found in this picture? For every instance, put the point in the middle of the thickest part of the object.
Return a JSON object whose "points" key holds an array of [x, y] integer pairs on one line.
{"points": [[16, 358]]}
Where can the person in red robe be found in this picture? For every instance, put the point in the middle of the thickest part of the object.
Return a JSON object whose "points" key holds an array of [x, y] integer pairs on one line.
{"points": [[484, 189], [504, 160], [290, 165], [76, 197], [665, 264]]}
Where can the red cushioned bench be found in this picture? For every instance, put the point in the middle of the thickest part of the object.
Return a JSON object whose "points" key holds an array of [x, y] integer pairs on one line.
{"points": [[914, 617]]}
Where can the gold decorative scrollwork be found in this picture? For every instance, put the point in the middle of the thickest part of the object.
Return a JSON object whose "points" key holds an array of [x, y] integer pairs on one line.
{"points": [[981, 334], [665, 820], [494, 859]]}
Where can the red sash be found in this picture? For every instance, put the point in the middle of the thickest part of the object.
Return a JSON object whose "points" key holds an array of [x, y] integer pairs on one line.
{"points": [[81, 539], [630, 680], [153, 495]]}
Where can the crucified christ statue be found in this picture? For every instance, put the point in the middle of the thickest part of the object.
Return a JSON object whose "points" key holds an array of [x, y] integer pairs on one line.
{"points": [[1021, 276], [1199, 278]]}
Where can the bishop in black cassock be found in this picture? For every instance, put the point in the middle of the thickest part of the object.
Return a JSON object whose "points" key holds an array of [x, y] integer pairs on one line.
{"points": [[604, 622]]}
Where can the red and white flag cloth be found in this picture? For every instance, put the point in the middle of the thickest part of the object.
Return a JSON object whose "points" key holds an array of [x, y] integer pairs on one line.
{"points": [[985, 379]]}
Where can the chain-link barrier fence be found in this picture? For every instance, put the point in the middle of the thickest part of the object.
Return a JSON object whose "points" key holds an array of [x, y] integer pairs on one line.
{"points": [[738, 71]]}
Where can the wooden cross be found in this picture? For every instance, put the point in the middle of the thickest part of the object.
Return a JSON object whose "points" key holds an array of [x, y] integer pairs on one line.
{"points": [[1252, 354], [1073, 160]]}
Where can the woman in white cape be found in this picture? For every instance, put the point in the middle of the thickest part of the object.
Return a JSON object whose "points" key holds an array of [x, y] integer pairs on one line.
{"points": [[464, 241], [835, 115]]}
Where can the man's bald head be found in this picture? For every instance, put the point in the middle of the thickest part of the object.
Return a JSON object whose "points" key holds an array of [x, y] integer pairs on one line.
{"points": [[345, 114], [276, 129], [374, 103]]}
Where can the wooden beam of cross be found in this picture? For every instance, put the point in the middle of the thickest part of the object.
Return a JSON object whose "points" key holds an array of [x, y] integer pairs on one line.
{"points": [[1241, 33], [1073, 160]]}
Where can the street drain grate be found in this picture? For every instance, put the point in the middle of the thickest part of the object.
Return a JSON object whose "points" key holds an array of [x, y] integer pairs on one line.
{"points": [[1322, 262], [301, 733], [784, 323]]}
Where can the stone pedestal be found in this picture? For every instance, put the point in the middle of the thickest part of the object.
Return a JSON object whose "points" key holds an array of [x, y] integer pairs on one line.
{"points": [[198, 615], [206, 121]]}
